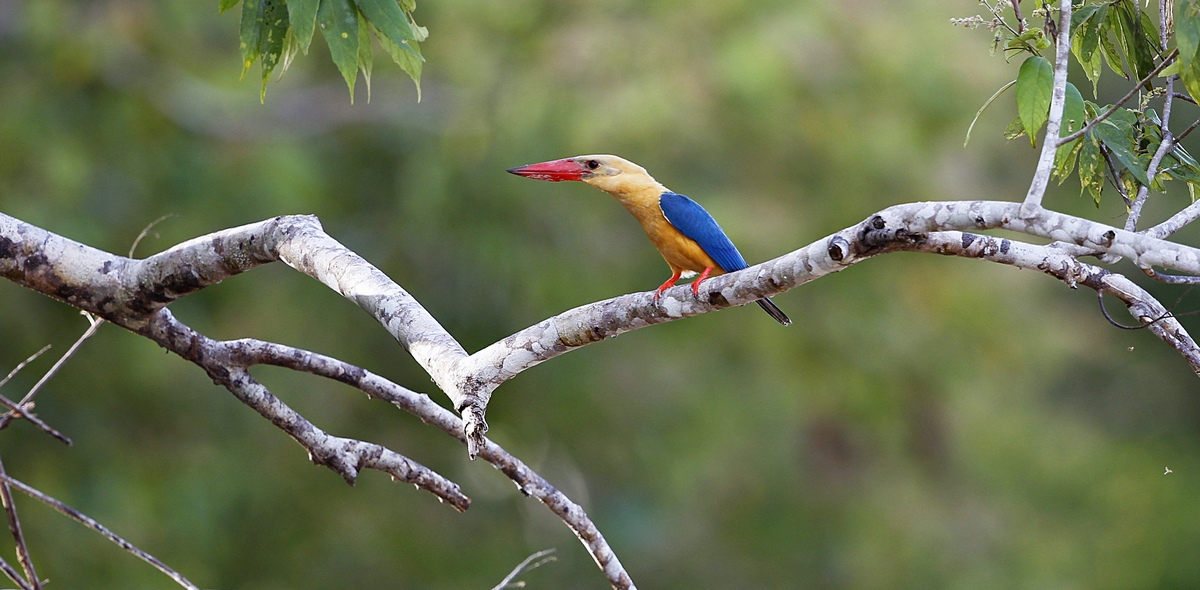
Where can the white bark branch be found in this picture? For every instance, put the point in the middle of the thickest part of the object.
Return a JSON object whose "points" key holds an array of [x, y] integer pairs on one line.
{"points": [[1045, 165], [1175, 223], [133, 294]]}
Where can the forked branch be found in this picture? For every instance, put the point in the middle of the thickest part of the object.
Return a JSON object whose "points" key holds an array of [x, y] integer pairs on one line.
{"points": [[134, 294]]}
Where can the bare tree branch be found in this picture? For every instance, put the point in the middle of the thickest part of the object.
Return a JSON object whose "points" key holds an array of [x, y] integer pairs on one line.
{"points": [[12, 574], [90, 523], [1045, 165], [15, 409], [19, 411], [14, 527], [1171, 279], [1175, 223], [133, 294], [144, 287], [1052, 261], [224, 363], [21, 365], [8, 416], [420, 405]]}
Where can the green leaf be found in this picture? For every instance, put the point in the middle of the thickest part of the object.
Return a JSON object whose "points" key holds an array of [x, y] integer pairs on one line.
{"points": [[1033, 37], [291, 47], [1131, 34], [271, 36], [1185, 158], [1112, 22], [1014, 130], [1179, 171], [1128, 183], [388, 19], [1080, 16], [1117, 134], [1085, 40], [1035, 84], [252, 20], [1064, 160], [338, 21], [409, 61], [1187, 39], [1073, 120], [226, 5], [420, 34], [1074, 115], [365, 61], [302, 14], [1091, 168]]}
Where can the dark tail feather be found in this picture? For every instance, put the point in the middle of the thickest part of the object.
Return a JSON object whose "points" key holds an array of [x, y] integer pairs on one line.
{"points": [[774, 310]]}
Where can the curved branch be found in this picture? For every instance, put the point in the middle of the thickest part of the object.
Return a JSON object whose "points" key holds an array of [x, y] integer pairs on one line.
{"points": [[605, 319], [528, 481], [1147, 310], [133, 294], [224, 362]]}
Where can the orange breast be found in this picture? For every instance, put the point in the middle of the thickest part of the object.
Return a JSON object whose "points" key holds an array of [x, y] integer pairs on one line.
{"points": [[681, 252]]}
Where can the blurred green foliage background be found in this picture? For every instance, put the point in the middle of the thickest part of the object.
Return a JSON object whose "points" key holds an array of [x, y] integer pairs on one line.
{"points": [[926, 422]]}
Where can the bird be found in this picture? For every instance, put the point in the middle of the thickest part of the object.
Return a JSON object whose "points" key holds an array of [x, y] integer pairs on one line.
{"points": [[686, 235]]}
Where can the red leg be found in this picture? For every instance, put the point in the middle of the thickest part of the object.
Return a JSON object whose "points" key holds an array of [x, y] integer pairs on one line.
{"points": [[700, 279], [667, 285]]}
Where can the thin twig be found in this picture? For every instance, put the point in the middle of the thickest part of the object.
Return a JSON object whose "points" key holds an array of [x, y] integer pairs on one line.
{"points": [[146, 231], [1016, 5], [1171, 279], [20, 411], [21, 365], [13, 575], [95, 325], [91, 523], [1189, 129], [1185, 97], [1111, 320], [1124, 99], [525, 566], [14, 526], [23, 412], [1116, 176], [1045, 165]]}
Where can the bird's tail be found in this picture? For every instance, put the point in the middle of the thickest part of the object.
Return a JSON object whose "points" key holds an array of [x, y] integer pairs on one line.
{"points": [[774, 311]]}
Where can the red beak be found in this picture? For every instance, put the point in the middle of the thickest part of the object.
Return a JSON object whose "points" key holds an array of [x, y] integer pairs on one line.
{"points": [[554, 171]]}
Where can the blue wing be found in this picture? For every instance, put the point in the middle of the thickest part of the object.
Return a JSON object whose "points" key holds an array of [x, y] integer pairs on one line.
{"points": [[694, 222]]}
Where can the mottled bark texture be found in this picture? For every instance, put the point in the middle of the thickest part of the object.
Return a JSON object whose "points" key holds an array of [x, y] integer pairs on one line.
{"points": [[134, 294]]}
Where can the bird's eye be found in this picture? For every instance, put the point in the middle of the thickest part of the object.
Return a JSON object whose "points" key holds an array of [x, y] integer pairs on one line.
{"points": [[592, 164]]}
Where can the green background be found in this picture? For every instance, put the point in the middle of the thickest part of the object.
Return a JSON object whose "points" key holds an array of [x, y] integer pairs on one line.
{"points": [[926, 422]]}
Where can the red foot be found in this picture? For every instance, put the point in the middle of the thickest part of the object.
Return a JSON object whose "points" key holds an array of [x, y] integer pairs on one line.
{"points": [[700, 279], [667, 285]]}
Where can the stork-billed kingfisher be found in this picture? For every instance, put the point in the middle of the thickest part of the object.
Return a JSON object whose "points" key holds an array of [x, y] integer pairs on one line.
{"points": [[684, 233]]}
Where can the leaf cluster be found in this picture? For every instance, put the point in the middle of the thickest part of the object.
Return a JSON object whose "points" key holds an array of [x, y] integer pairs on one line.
{"points": [[1120, 139], [274, 31]]}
